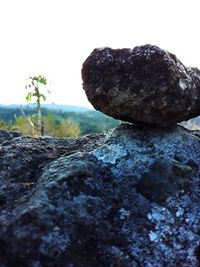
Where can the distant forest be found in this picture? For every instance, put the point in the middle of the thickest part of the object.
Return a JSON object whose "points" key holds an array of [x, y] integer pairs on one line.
{"points": [[89, 121]]}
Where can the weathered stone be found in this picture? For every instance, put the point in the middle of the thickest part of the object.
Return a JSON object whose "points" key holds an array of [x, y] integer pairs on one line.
{"points": [[8, 135], [145, 84], [130, 198]]}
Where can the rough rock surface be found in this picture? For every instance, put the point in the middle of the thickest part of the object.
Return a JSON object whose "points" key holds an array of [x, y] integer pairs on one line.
{"points": [[145, 84], [129, 198]]}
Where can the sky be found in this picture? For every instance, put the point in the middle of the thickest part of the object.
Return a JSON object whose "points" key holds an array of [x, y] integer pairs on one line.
{"points": [[54, 37]]}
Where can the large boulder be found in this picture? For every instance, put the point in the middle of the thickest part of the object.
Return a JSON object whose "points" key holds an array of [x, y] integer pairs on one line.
{"points": [[128, 198], [141, 85]]}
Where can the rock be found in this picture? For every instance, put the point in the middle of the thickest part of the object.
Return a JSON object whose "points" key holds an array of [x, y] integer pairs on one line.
{"points": [[8, 135], [141, 85], [128, 198], [192, 124]]}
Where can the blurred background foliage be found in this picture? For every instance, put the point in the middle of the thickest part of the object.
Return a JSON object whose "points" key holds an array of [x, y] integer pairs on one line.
{"points": [[52, 126], [58, 122]]}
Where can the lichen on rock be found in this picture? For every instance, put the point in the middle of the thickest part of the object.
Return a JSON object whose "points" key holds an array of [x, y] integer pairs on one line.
{"points": [[127, 198], [86, 208]]}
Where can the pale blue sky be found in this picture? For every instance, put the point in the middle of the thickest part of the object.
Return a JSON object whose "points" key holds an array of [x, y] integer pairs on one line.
{"points": [[54, 37]]}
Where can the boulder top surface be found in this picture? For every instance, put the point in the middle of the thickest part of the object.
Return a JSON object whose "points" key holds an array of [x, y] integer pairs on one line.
{"points": [[126, 198]]}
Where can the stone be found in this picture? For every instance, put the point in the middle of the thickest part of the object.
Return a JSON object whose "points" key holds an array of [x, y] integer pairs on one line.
{"points": [[126, 198], [8, 135], [146, 85]]}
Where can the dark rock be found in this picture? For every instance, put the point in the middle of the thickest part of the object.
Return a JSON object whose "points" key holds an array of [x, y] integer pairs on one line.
{"points": [[8, 135], [145, 84], [130, 198]]}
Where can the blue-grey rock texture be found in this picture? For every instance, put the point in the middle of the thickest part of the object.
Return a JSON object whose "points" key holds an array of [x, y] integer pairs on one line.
{"points": [[125, 199], [145, 85]]}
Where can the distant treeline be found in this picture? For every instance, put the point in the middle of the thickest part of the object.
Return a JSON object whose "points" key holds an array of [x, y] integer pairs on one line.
{"points": [[89, 121]]}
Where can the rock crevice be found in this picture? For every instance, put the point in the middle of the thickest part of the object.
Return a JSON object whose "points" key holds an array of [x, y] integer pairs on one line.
{"points": [[128, 198]]}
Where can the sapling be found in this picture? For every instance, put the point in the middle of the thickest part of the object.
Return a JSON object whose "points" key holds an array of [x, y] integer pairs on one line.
{"points": [[36, 85]]}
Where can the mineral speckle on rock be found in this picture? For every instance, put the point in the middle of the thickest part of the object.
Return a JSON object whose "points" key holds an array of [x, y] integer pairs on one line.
{"points": [[128, 198], [145, 84]]}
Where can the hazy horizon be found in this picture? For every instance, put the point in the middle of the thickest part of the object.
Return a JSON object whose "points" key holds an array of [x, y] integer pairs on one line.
{"points": [[46, 104], [54, 37]]}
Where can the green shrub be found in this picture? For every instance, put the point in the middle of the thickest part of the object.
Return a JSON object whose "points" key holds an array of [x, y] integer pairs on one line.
{"points": [[52, 126]]}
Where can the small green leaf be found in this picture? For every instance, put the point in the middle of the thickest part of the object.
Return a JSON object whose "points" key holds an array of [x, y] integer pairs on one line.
{"points": [[28, 97]]}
